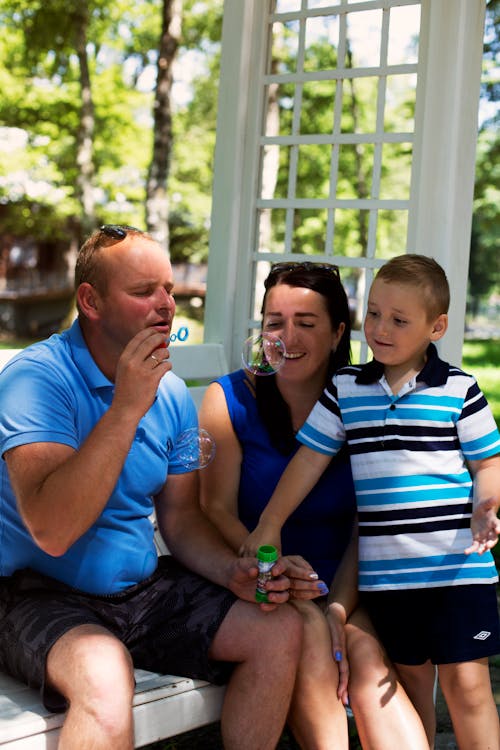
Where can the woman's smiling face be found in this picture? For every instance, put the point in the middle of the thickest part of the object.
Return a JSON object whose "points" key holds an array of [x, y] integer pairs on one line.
{"points": [[300, 318]]}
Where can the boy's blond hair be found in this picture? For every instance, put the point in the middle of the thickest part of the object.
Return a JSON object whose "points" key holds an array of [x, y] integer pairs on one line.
{"points": [[425, 274]]}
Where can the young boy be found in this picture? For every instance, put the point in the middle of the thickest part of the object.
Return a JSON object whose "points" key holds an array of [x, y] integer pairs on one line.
{"points": [[424, 453]]}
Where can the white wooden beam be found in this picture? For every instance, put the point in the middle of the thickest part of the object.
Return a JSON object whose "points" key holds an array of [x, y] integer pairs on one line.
{"points": [[450, 58], [235, 171]]}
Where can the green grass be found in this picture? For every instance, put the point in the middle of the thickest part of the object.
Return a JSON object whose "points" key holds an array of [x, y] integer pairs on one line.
{"points": [[481, 358]]}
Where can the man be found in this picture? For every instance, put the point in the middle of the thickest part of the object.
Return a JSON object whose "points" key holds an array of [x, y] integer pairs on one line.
{"points": [[88, 426]]}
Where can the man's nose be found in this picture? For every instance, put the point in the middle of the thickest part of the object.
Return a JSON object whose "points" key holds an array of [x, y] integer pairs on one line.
{"points": [[164, 299]]}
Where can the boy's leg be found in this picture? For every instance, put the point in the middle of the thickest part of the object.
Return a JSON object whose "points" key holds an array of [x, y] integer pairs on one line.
{"points": [[385, 717], [266, 648], [418, 682], [467, 690], [93, 671]]}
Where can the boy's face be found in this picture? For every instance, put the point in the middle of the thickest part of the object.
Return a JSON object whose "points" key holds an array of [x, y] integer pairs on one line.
{"points": [[397, 327]]}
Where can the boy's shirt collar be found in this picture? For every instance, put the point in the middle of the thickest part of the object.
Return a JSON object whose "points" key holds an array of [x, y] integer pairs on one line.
{"points": [[434, 372]]}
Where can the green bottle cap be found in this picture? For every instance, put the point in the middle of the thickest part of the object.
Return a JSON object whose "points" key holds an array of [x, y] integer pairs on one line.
{"points": [[267, 553], [261, 596]]}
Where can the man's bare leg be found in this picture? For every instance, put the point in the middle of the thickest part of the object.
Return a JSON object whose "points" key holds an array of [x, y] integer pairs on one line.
{"points": [[94, 671], [266, 647]]}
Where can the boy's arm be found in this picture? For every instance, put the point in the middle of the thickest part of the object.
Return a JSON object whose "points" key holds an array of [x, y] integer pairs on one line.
{"points": [[296, 482], [485, 525]]}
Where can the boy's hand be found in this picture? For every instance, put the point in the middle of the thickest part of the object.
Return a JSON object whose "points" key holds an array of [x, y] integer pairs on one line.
{"points": [[485, 527], [262, 534]]}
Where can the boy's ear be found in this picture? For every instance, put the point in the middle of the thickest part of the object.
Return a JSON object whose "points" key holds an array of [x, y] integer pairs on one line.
{"points": [[439, 327]]}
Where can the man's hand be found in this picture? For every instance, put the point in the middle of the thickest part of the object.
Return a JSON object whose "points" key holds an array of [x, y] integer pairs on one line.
{"points": [[142, 364], [291, 577], [243, 582], [485, 527]]}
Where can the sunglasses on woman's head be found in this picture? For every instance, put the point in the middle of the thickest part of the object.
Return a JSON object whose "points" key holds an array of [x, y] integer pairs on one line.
{"points": [[285, 267]]}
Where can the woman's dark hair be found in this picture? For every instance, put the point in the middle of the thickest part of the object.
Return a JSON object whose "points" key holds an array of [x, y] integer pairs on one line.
{"points": [[325, 280]]}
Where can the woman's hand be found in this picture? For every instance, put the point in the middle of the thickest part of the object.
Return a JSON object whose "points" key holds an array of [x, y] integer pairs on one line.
{"points": [[304, 582], [336, 618]]}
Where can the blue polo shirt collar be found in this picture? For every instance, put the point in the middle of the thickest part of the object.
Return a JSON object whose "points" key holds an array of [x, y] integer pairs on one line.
{"points": [[434, 372], [93, 376]]}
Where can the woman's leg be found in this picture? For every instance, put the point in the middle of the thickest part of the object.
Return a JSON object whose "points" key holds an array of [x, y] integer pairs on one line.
{"points": [[317, 717], [467, 690], [384, 714]]}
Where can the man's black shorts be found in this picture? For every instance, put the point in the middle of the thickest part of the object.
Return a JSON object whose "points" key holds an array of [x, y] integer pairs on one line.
{"points": [[167, 622]]}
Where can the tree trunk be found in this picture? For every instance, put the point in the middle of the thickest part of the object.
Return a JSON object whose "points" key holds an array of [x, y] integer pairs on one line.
{"points": [[85, 134], [157, 208]]}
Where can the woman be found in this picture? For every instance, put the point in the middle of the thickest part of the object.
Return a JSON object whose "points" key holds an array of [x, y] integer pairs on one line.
{"points": [[253, 421]]}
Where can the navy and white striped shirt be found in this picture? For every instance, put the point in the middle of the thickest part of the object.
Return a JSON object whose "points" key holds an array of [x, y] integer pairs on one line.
{"points": [[409, 456]]}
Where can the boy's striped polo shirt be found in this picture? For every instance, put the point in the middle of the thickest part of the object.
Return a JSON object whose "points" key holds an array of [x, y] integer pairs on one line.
{"points": [[409, 455]]}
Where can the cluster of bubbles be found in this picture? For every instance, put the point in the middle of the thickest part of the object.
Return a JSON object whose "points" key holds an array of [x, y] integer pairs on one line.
{"points": [[263, 354]]}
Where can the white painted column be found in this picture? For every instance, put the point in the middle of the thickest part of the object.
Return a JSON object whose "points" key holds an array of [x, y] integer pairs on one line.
{"points": [[450, 58], [235, 171]]}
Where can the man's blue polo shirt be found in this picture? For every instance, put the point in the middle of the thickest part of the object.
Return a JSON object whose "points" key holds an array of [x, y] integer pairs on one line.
{"points": [[53, 391]]}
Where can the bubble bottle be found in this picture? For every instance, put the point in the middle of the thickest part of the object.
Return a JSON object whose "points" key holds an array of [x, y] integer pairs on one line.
{"points": [[266, 557]]}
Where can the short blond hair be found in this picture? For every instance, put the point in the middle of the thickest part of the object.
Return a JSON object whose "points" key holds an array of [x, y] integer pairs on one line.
{"points": [[423, 273], [89, 266]]}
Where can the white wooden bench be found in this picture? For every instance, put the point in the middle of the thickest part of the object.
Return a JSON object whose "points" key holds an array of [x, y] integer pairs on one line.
{"points": [[164, 705]]}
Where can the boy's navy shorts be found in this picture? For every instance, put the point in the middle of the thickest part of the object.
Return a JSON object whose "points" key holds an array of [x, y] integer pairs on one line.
{"points": [[167, 622], [444, 625]]}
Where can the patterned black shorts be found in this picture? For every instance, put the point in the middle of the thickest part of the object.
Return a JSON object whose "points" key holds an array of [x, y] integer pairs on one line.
{"points": [[167, 622]]}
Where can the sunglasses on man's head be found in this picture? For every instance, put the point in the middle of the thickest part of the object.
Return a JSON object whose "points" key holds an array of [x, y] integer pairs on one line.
{"points": [[285, 267], [118, 231]]}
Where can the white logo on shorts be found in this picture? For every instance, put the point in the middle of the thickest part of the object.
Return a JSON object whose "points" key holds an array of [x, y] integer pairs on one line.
{"points": [[482, 636]]}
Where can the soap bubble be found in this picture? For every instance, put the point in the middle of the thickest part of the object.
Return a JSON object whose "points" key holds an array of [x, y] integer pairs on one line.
{"points": [[263, 354], [196, 448]]}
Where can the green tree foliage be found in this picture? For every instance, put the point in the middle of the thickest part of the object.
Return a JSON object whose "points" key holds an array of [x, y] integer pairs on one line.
{"points": [[41, 112], [41, 109], [42, 76], [484, 270]]}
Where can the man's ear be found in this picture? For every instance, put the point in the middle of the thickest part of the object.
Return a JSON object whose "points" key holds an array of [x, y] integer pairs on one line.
{"points": [[88, 300], [439, 327]]}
